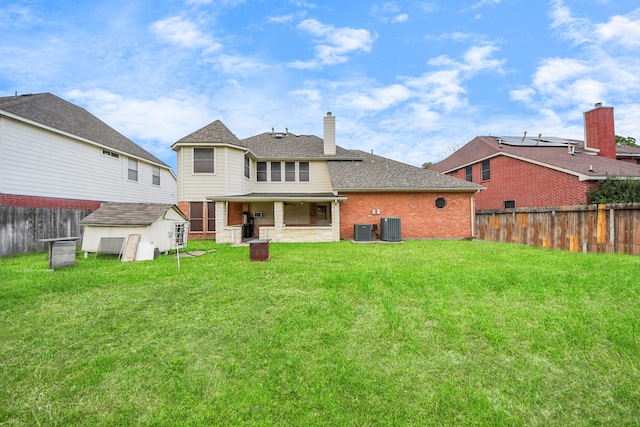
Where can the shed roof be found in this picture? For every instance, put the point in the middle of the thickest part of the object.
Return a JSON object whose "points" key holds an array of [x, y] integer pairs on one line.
{"points": [[128, 214], [54, 112]]}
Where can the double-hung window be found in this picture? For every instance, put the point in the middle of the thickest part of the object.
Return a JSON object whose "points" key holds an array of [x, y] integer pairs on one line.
{"points": [[203, 160], [303, 172], [132, 171], [486, 170], [261, 168], [276, 171], [290, 171], [247, 166], [468, 173], [156, 175]]}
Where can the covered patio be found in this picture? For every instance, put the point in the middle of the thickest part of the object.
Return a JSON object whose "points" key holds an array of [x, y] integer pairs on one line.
{"points": [[280, 217]]}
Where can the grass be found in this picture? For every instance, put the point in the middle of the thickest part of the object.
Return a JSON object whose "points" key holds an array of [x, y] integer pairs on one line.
{"points": [[419, 333]]}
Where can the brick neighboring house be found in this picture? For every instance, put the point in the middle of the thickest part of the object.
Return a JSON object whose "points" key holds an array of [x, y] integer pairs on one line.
{"points": [[302, 188], [543, 171]]}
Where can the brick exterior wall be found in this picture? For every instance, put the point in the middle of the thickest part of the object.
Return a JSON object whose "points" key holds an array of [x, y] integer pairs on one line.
{"points": [[419, 217], [599, 130], [529, 185], [18, 200]]}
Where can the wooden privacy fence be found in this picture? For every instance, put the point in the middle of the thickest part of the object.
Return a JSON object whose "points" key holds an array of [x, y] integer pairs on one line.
{"points": [[589, 228], [22, 228]]}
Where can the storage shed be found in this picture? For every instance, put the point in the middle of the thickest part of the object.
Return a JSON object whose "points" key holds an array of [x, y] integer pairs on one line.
{"points": [[162, 226]]}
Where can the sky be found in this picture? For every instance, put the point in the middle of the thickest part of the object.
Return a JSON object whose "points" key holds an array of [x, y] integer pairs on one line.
{"points": [[409, 80]]}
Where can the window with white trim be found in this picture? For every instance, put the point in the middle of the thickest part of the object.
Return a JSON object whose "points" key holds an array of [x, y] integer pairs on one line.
{"points": [[155, 175], [203, 160], [132, 171]]}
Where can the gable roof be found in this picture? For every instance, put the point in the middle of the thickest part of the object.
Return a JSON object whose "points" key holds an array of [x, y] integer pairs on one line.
{"points": [[553, 154], [56, 113], [215, 132], [376, 173], [128, 214]]}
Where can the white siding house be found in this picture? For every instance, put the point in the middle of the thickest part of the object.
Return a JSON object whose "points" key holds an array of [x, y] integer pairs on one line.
{"points": [[58, 160], [53, 149]]}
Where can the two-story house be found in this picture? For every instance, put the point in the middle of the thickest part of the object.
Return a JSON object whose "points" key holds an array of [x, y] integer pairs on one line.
{"points": [[60, 162], [292, 188], [542, 171], [56, 154]]}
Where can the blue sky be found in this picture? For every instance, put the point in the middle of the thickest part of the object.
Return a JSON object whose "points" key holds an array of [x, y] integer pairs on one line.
{"points": [[410, 80]]}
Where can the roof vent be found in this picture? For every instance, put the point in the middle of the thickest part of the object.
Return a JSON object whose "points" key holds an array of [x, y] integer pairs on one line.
{"points": [[279, 135], [598, 104]]}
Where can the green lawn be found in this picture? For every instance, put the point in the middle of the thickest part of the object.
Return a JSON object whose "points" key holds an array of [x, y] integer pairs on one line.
{"points": [[418, 333]]}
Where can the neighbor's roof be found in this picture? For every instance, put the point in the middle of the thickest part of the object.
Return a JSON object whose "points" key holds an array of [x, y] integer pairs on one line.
{"points": [[128, 214], [54, 112], [553, 154], [215, 132], [375, 173]]}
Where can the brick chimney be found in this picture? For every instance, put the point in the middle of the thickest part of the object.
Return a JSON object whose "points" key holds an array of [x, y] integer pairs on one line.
{"points": [[599, 132], [329, 135]]}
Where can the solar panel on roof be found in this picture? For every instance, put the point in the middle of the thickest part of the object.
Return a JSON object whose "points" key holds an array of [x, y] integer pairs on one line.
{"points": [[533, 141]]}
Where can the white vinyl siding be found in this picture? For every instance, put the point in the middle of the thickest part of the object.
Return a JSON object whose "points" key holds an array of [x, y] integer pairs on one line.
{"points": [[38, 162], [228, 178]]}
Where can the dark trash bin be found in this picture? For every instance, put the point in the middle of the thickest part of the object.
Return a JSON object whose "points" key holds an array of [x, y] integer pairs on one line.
{"points": [[259, 250]]}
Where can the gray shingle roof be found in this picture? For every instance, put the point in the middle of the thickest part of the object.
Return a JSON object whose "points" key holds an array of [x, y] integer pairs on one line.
{"points": [[127, 214], [580, 163], [380, 173], [56, 113], [215, 132], [290, 146]]}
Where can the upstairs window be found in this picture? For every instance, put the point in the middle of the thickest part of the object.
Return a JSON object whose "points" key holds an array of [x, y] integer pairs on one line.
{"points": [[132, 172], [303, 172], [262, 172], [468, 173], [203, 160], [111, 154], [290, 171], [247, 166], [156, 175], [276, 171], [486, 170]]}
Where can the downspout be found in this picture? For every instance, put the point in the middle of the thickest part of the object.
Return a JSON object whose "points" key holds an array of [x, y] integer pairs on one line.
{"points": [[473, 215]]}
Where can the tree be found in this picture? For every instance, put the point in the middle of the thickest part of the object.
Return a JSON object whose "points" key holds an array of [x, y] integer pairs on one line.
{"points": [[629, 141], [615, 190], [427, 165]]}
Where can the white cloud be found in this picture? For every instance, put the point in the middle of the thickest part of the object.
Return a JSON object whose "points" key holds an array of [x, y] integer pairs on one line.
{"points": [[482, 3], [333, 45], [162, 120], [389, 12], [378, 98], [184, 33], [620, 30]]}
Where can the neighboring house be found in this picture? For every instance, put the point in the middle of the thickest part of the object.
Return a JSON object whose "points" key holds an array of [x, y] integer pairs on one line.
{"points": [[295, 188], [56, 154], [543, 171], [58, 162]]}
